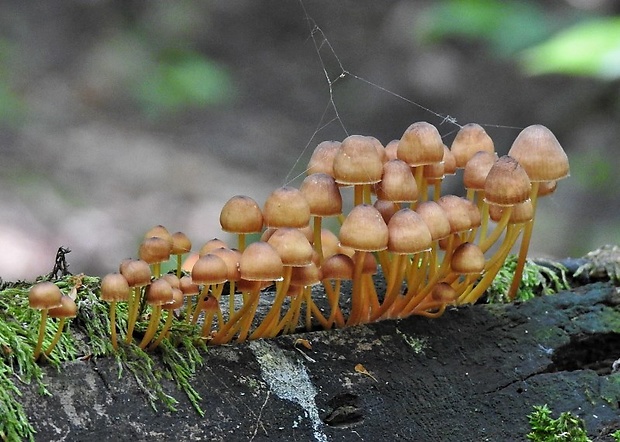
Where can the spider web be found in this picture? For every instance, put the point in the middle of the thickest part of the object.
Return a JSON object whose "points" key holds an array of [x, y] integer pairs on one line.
{"points": [[326, 53]]}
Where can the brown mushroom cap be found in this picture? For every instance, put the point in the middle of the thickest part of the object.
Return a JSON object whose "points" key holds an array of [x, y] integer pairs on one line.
{"points": [[322, 194], [457, 210], [357, 161], [209, 269], [177, 300], [397, 183], [231, 258], [420, 144], [540, 154], [444, 293], [114, 287], [435, 218], [159, 231], [66, 309], [241, 214], [188, 287], [260, 262], [467, 259], [211, 245], [322, 159], [44, 295], [387, 209], [470, 139], [159, 292], [292, 246], [338, 266], [286, 207], [306, 275], [181, 244], [521, 212], [136, 271], [507, 183], [408, 233], [477, 169], [155, 250], [364, 229]]}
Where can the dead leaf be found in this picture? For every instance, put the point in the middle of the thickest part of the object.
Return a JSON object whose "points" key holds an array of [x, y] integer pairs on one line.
{"points": [[362, 370], [304, 343]]}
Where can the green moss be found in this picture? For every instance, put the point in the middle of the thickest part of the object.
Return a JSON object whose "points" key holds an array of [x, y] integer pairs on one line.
{"points": [[88, 336], [546, 429], [537, 280]]}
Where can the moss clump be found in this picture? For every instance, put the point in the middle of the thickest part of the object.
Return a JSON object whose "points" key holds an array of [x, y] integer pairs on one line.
{"points": [[86, 337], [537, 280], [566, 427]]}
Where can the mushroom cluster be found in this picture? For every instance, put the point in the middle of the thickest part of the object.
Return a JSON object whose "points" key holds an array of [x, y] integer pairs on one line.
{"points": [[433, 250]]}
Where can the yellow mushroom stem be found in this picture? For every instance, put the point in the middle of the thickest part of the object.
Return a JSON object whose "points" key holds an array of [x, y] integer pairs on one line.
{"points": [[228, 330], [163, 332], [41, 336], [333, 296], [492, 266], [57, 335], [414, 295], [133, 307], [271, 319], [525, 244], [151, 329], [358, 295], [395, 278], [113, 337], [317, 241]]}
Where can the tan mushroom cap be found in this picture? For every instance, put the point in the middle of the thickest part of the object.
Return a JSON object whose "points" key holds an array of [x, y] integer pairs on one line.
{"points": [[209, 269], [292, 246], [286, 207], [114, 287], [66, 309], [307, 275], [338, 266], [181, 244], [397, 183], [387, 209], [444, 293], [477, 169], [420, 144], [159, 231], [231, 258], [521, 212], [457, 210], [364, 229], [540, 154], [44, 295], [177, 300], [357, 161], [241, 214], [467, 259], [435, 218], [408, 233], [322, 194], [155, 249], [322, 159], [136, 271], [470, 139], [159, 292], [211, 245], [260, 262], [507, 183], [188, 287]]}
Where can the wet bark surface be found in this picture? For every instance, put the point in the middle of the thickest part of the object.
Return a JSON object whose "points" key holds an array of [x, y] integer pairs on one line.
{"points": [[473, 374]]}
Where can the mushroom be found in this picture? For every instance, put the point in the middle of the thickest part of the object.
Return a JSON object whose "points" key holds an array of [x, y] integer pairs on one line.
{"points": [[114, 288], [241, 216], [67, 309], [541, 155], [43, 296]]}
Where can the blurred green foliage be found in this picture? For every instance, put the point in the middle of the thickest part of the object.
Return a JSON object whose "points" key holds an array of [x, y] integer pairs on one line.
{"points": [[181, 79], [590, 48], [571, 42], [11, 106], [507, 26]]}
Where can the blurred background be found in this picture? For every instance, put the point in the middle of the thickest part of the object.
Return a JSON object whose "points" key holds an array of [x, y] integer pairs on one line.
{"points": [[119, 115]]}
